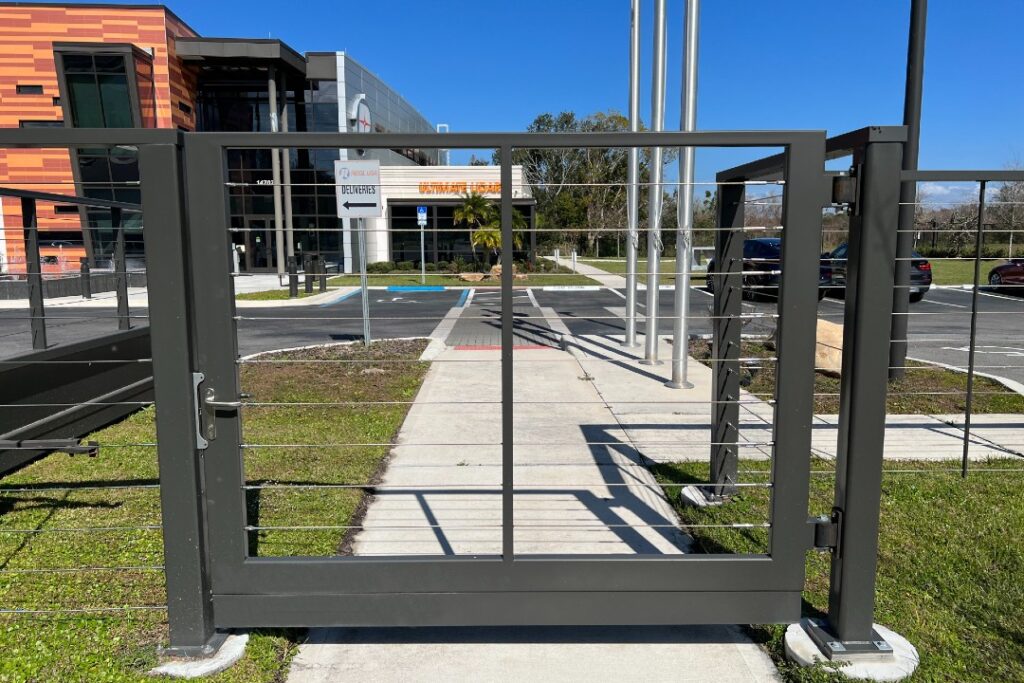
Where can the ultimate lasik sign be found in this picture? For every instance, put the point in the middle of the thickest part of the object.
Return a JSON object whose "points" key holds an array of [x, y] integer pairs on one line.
{"points": [[357, 186]]}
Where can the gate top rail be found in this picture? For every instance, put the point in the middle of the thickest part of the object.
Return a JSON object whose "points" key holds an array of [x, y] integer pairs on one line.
{"points": [[770, 168], [86, 137], [1006, 175], [772, 138]]}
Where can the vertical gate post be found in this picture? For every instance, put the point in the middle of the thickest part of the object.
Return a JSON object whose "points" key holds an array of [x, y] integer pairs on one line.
{"points": [[120, 271], [507, 341], [186, 564], [33, 272], [866, 326], [727, 327]]}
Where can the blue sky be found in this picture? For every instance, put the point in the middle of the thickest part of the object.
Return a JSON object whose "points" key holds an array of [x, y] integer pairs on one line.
{"points": [[797, 64]]}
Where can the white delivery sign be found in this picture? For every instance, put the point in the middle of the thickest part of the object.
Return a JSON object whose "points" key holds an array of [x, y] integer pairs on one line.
{"points": [[357, 184]]}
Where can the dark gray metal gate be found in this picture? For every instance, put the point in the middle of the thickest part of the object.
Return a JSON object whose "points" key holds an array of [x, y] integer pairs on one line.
{"points": [[214, 584]]}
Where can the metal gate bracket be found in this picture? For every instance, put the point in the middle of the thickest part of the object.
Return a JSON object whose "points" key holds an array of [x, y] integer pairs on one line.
{"points": [[844, 189], [827, 531]]}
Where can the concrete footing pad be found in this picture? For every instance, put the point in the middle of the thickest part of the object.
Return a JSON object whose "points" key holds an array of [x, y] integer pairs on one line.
{"points": [[229, 652], [801, 650]]}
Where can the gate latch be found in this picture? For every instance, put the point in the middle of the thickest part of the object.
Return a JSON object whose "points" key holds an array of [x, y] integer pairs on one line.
{"points": [[828, 531], [206, 409]]}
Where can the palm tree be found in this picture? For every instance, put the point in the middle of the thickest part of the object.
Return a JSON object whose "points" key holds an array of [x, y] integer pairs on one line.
{"points": [[475, 212], [489, 236]]}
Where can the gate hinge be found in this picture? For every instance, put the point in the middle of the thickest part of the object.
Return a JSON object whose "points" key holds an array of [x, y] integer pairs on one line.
{"points": [[828, 531], [844, 189]]}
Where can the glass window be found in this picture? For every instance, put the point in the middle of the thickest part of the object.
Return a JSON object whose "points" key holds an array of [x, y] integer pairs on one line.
{"points": [[98, 89]]}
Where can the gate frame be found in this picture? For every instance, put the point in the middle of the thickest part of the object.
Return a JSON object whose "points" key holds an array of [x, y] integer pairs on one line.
{"points": [[212, 584]]}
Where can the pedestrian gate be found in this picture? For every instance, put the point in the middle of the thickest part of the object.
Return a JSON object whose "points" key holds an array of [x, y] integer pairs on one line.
{"points": [[212, 581]]}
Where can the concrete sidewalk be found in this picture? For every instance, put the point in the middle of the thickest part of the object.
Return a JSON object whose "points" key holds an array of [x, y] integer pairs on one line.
{"points": [[603, 276], [581, 487]]}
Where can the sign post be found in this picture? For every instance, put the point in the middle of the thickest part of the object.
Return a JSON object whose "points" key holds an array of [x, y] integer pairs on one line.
{"points": [[421, 220], [357, 187]]}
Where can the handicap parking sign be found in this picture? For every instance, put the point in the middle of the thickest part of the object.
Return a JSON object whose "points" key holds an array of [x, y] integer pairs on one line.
{"points": [[421, 215]]}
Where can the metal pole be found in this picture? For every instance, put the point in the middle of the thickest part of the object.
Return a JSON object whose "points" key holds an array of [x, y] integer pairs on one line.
{"points": [[632, 189], [33, 273], [275, 164], [321, 269], [654, 195], [120, 272], [423, 253], [286, 173], [861, 441], [974, 329], [307, 268], [908, 190], [507, 368], [361, 237], [183, 508], [684, 204]]}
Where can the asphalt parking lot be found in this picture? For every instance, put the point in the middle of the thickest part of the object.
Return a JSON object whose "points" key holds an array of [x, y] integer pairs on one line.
{"points": [[939, 325]]}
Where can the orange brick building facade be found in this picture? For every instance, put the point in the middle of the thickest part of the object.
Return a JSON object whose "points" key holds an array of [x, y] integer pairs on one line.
{"points": [[32, 94]]}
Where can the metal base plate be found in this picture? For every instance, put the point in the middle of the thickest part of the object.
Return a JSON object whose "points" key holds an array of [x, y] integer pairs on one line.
{"points": [[208, 649], [875, 649]]}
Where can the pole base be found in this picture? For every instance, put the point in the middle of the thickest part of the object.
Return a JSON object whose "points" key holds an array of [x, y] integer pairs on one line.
{"points": [[631, 345], [888, 656], [647, 361], [701, 496], [207, 649], [672, 384], [228, 650]]}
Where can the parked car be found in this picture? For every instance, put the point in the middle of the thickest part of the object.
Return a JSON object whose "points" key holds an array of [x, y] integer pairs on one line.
{"points": [[1006, 275], [920, 273], [762, 269]]}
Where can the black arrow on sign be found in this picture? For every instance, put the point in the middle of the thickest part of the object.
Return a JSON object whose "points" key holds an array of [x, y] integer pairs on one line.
{"points": [[356, 205]]}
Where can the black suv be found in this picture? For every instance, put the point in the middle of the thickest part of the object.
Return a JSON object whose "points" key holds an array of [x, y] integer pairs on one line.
{"points": [[762, 269], [920, 273]]}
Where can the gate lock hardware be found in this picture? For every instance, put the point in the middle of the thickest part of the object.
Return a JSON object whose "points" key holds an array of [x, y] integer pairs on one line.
{"points": [[206, 411], [828, 531], [844, 189]]}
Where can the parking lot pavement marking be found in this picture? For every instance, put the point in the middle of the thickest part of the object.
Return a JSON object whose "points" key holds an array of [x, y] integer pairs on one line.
{"points": [[968, 289], [943, 303]]}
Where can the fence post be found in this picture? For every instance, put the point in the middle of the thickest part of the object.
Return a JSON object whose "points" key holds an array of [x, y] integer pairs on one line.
{"points": [[120, 272], [183, 508], [321, 269], [727, 327], [84, 277], [978, 243], [33, 273], [293, 277], [307, 266], [858, 486]]}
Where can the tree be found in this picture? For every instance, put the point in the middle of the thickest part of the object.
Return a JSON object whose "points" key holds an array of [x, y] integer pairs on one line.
{"points": [[474, 212], [489, 236], [580, 192]]}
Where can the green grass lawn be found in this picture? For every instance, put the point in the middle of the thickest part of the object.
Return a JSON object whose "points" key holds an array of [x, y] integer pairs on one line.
{"points": [[65, 492], [950, 561], [274, 294], [666, 267], [960, 271], [924, 388], [446, 280]]}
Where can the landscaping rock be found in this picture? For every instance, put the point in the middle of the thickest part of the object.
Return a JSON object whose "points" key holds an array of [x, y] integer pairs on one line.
{"points": [[471, 277], [828, 351]]}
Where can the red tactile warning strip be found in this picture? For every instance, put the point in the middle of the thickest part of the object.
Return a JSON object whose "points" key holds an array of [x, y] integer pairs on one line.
{"points": [[497, 347]]}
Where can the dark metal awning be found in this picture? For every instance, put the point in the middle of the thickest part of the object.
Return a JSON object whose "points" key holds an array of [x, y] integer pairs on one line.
{"points": [[240, 51]]}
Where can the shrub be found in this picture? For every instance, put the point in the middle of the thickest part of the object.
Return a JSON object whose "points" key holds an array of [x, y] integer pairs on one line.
{"points": [[405, 265], [430, 267], [380, 267], [442, 266]]}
